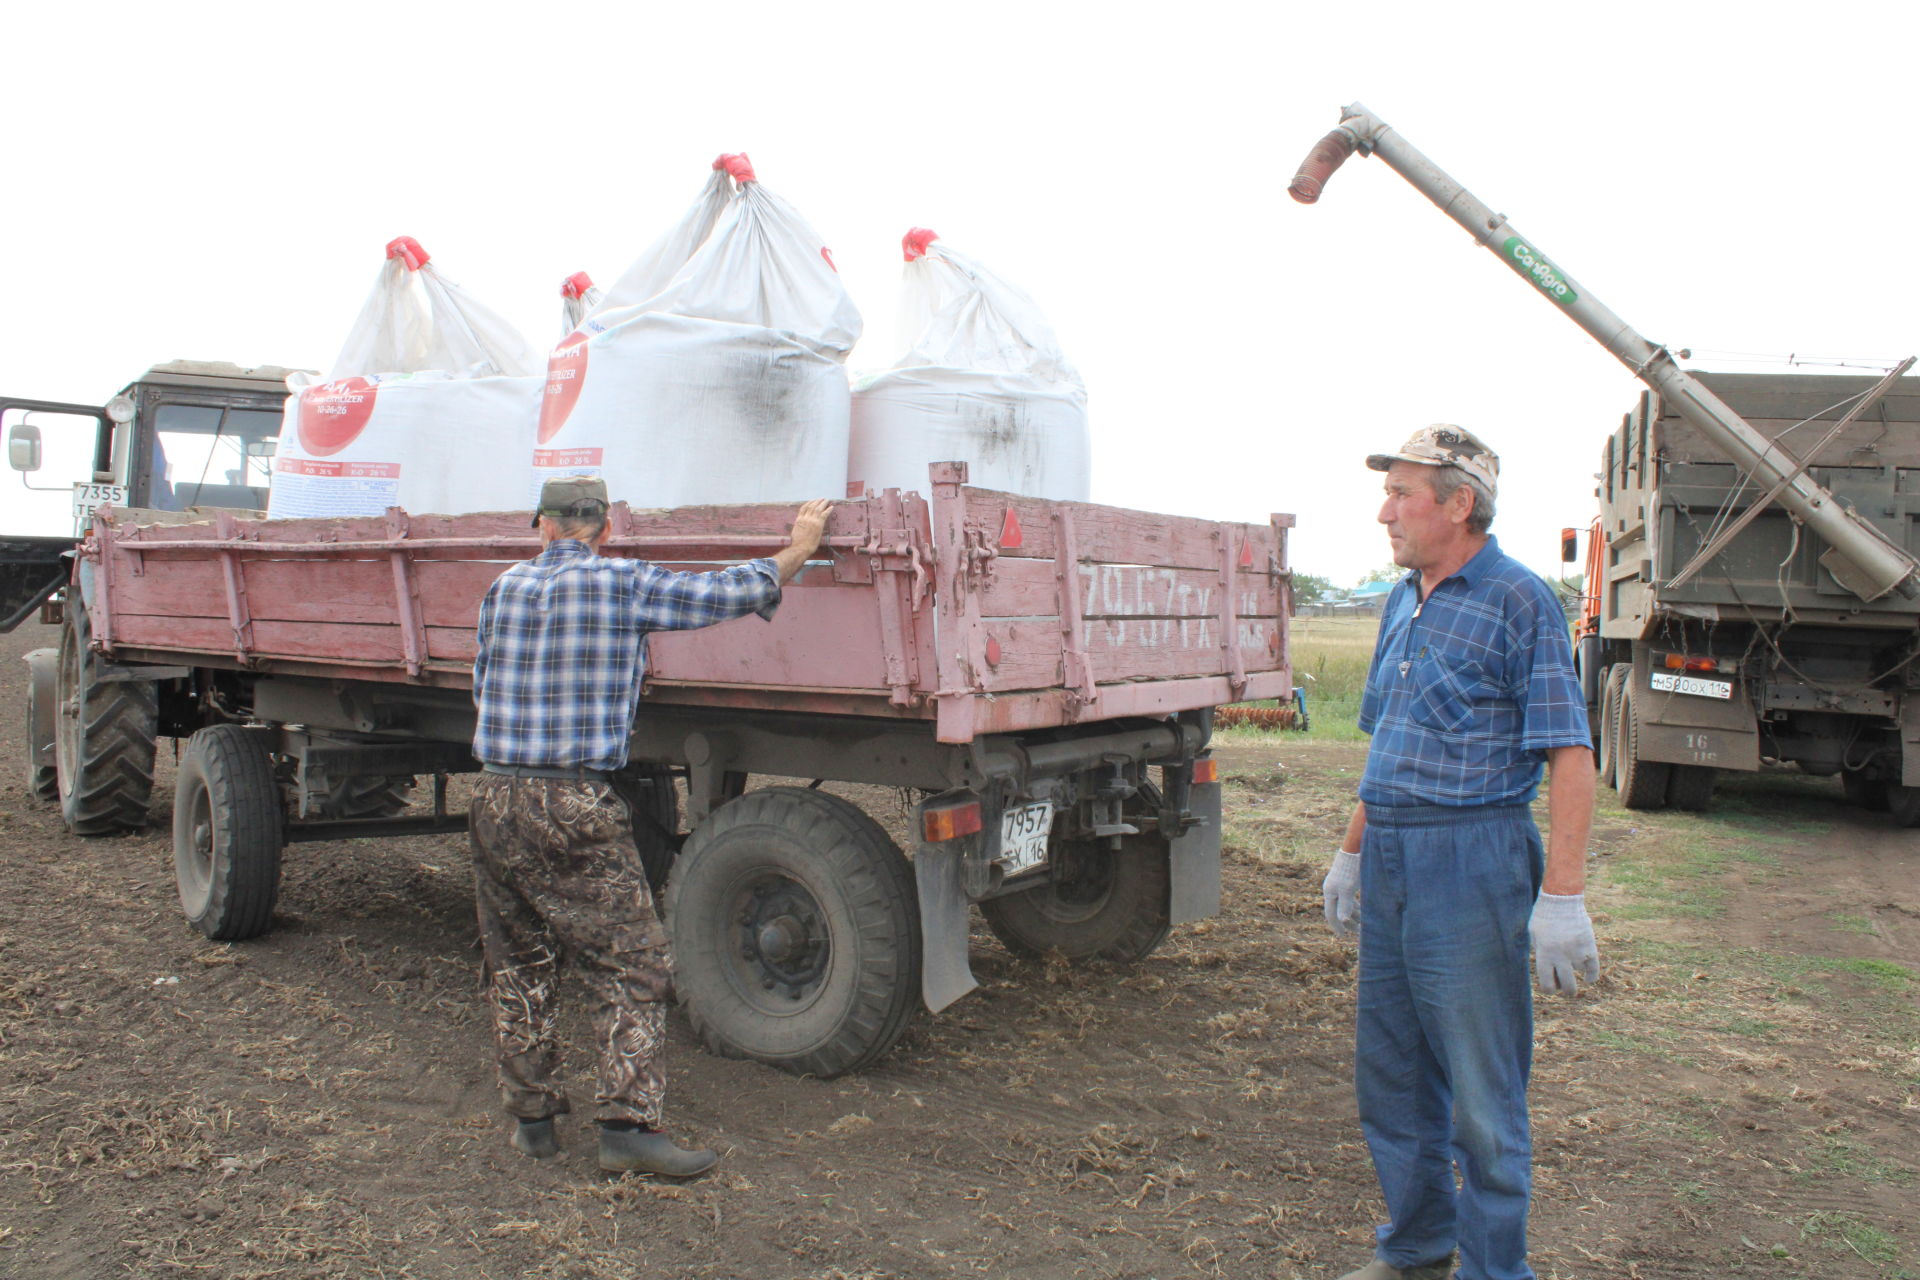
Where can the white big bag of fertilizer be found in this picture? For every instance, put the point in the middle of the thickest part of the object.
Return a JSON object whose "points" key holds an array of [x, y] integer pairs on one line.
{"points": [[983, 382], [429, 406], [714, 370]]}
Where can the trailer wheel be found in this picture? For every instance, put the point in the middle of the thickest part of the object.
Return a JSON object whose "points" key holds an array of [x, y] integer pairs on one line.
{"points": [[1690, 786], [1643, 783], [103, 739], [1904, 804], [1610, 724], [1105, 907], [655, 809], [43, 775], [796, 927], [227, 833], [1867, 792]]}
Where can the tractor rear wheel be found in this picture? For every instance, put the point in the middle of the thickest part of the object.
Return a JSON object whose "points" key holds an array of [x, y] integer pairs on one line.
{"points": [[104, 732]]}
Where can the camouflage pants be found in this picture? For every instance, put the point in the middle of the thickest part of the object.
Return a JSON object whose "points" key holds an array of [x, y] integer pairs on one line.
{"points": [[555, 869]]}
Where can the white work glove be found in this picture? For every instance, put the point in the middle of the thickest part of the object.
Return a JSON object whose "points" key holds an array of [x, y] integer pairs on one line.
{"points": [[1563, 947], [1340, 891]]}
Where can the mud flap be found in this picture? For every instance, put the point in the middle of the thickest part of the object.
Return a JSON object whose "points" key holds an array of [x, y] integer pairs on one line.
{"points": [[1193, 860], [945, 974]]}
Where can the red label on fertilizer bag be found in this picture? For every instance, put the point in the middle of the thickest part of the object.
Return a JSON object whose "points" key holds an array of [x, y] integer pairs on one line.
{"points": [[333, 414], [566, 370], [338, 470]]}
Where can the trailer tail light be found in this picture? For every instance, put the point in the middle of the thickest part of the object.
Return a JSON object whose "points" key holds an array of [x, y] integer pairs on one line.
{"points": [[1206, 770], [1681, 662], [950, 823]]}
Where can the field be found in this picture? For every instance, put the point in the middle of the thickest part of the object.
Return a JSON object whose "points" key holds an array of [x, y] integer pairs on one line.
{"points": [[1739, 1096]]}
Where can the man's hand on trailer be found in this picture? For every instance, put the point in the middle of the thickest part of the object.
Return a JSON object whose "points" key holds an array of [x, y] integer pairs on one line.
{"points": [[808, 528]]}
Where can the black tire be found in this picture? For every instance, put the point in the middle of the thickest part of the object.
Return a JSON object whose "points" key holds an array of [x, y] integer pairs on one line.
{"points": [[104, 732], [1904, 804], [1609, 761], [1643, 783], [227, 833], [1690, 786], [368, 796], [1108, 907], [796, 931], [43, 774], [655, 809], [1869, 793]]}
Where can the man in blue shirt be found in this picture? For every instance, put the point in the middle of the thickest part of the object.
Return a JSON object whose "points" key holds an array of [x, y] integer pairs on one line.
{"points": [[1443, 872], [556, 679]]}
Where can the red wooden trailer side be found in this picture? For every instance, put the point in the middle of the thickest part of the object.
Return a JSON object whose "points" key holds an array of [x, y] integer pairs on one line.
{"points": [[980, 611]]}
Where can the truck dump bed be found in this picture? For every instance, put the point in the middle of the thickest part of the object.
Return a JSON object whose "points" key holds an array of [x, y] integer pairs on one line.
{"points": [[1666, 491], [981, 612]]}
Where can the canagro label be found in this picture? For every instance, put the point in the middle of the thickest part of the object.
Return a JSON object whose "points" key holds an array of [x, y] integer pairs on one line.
{"points": [[566, 370], [1546, 277], [333, 414]]}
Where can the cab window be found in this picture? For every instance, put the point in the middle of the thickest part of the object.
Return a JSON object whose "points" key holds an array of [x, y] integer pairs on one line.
{"points": [[210, 456]]}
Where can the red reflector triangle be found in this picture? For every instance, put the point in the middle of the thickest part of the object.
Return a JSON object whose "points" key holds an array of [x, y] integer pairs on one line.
{"points": [[1010, 532], [1246, 552]]}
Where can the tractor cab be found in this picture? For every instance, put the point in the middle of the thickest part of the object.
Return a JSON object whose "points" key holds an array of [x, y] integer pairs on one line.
{"points": [[191, 436]]}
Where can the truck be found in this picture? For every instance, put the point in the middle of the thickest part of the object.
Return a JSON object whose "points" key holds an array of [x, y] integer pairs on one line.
{"points": [[1752, 592], [1039, 676], [1711, 637]]}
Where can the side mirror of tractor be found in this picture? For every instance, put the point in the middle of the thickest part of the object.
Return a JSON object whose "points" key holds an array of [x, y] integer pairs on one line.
{"points": [[1569, 545], [23, 447]]}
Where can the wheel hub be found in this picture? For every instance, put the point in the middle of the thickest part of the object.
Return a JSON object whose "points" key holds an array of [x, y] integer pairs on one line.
{"points": [[784, 942]]}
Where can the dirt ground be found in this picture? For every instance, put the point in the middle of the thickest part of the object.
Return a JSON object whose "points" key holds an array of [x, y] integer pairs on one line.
{"points": [[1739, 1096]]}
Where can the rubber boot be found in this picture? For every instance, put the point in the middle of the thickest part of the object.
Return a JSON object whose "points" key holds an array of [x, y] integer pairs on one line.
{"points": [[535, 1138], [647, 1151]]}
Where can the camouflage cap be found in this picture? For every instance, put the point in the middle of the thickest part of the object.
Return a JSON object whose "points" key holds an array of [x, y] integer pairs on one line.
{"points": [[565, 496], [1445, 445]]}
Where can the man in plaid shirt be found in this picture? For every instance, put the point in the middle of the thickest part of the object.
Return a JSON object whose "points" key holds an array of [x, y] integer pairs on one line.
{"points": [[556, 680], [1443, 871]]}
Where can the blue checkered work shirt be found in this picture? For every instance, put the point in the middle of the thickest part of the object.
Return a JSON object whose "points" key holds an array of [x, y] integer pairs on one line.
{"points": [[563, 647], [1469, 690]]}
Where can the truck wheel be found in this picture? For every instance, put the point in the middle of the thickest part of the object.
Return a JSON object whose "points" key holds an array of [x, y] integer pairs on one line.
{"points": [[1107, 906], [227, 833], [103, 739], [797, 933], [43, 775], [1690, 786], [1643, 783], [1610, 723], [1904, 804], [1869, 793]]}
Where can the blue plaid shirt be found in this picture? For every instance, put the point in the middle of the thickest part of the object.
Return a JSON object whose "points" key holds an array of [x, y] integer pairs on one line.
{"points": [[1469, 689], [563, 647]]}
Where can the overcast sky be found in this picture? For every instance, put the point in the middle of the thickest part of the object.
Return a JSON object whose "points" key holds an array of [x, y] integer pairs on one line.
{"points": [[217, 182]]}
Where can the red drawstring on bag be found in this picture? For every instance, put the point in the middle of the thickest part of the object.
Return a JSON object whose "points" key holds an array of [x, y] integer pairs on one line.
{"points": [[914, 243], [736, 164], [408, 250], [576, 285]]}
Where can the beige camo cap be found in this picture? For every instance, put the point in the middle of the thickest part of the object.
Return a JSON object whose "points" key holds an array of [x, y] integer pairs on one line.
{"points": [[1445, 445], [571, 496]]}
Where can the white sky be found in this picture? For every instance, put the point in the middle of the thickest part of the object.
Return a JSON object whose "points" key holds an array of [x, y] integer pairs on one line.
{"points": [[217, 182]]}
